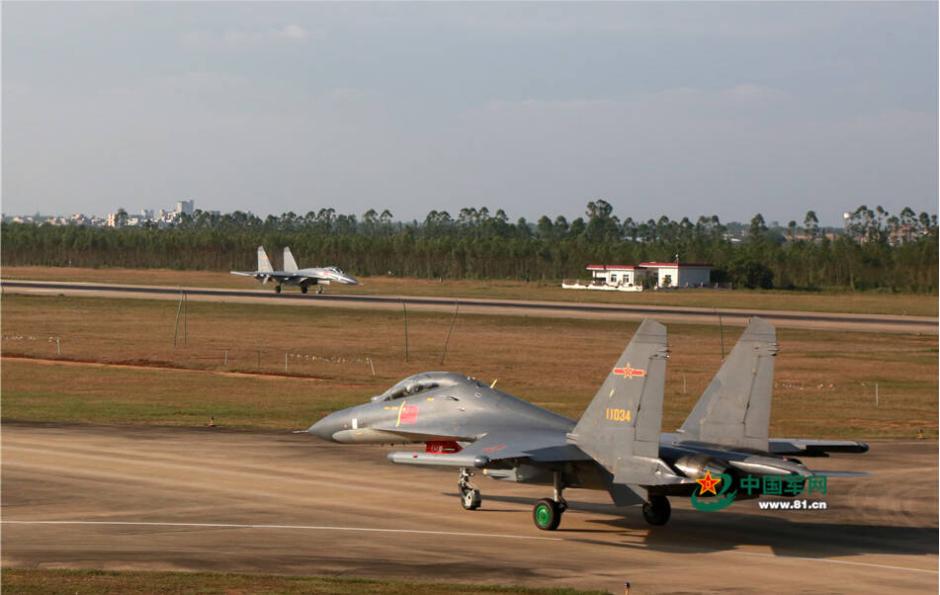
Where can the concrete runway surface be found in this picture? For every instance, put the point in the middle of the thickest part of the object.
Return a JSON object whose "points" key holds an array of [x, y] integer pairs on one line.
{"points": [[216, 500], [491, 307]]}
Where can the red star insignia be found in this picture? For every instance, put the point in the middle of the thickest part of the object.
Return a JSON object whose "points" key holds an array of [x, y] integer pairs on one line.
{"points": [[628, 372], [707, 484]]}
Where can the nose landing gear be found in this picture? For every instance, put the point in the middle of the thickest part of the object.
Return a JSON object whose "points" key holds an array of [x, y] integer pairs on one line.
{"points": [[470, 497]]}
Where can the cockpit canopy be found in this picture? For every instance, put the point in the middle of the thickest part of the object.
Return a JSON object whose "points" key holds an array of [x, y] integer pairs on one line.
{"points": [[335, 270], [419, 383]]}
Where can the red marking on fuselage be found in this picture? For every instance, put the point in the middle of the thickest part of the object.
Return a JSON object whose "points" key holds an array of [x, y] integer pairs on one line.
{"points": [[441, 447], [409, 414], [494, 448]]}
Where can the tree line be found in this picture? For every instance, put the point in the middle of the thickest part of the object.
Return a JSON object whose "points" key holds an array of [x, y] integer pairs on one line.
{"points": [[875, 250]]}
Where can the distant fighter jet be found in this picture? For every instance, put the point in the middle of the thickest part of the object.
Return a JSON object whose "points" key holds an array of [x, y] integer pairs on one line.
{"points": [[291, 275], [615, 446]]}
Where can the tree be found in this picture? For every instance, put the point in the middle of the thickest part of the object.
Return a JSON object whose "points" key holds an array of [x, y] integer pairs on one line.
{"points": [[811, 224]]}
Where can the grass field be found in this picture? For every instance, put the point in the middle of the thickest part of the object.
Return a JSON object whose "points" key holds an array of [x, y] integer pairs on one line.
{"points": [[848, 302], [232, 366], [92, 582]]}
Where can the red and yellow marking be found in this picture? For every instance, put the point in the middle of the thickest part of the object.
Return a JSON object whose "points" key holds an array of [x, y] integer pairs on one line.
{"points": [[707, 484], [628, 372]]}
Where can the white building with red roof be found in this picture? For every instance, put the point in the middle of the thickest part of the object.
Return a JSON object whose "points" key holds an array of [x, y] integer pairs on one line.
{"points": [[656, 275]]}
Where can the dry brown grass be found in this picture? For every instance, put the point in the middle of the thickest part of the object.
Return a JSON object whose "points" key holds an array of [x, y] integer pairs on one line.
{"points": [[824, 379], [849, 302], [82, 582]]}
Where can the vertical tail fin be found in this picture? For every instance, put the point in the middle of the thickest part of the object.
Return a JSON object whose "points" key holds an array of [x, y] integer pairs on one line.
{"points": [[290, 265], [735, 408], [264, 264], [625, 416]]}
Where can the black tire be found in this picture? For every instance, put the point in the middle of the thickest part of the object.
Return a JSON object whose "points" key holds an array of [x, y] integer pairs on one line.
{"points": [[303, 289], [470, 499], [319, 290], [277, 289], [546, 514], [657, 511]]}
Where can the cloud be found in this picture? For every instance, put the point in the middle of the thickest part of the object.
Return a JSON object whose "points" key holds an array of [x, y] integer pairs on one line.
{"points": [[242, 38]]}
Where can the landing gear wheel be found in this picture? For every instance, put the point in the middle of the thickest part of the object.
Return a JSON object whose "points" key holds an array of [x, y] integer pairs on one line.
{"points": [[277, 289], [319, 290], [657, 510], [470, 499], [547, 514], [303, 289]]}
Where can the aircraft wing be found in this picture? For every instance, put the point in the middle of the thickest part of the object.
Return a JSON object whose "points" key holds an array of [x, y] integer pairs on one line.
{"points": [[246, 273], [536, 446], [814, 448]]}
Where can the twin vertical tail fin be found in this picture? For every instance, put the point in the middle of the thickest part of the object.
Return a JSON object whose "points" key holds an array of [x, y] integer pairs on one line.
{"points": [[290, 265], [264, 264], [620, 427], [735, 408]]}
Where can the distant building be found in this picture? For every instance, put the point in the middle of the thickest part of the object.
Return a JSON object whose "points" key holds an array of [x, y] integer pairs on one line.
{"points": [[675, 274], [185, 207], [623, 277], [656, 275]]}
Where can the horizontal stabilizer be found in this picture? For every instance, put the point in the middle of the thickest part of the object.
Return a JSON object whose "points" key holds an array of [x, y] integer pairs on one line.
{"points": [[814, 448], [818, 472]]}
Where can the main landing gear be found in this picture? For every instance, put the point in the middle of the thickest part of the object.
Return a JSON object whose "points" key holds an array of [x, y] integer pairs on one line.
{"points": [[657, 510], [470, 497], [547, 512], [277, 289], [303, 289]]}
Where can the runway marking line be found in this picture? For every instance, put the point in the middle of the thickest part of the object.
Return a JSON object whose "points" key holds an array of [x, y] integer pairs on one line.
{"points": [[426, 532], [296, 527]]}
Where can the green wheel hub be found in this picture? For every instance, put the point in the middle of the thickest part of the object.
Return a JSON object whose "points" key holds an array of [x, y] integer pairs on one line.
{"points": [[543, 515]]}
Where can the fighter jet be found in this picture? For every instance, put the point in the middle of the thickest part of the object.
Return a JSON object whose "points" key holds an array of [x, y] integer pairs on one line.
{"points": [[616, 446], [291, 275]]}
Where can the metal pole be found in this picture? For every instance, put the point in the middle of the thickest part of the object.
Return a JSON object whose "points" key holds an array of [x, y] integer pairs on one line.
{"points": [[176, 326], [185, 318], [876, 394], [226, 358], [285, 362], [453, 321], [683, 383], [404, 312], [259, 358], [371, 366], [721, 331]]}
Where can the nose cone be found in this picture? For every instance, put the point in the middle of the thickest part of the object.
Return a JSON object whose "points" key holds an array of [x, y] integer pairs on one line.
{"points": [[349, 280], [326, 427]]}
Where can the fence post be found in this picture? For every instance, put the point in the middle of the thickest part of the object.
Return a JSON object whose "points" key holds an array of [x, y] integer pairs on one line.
{"points": [[285, 362], [371, 366]]}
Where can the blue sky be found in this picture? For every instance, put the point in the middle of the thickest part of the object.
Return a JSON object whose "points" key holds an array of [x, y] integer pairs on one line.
{"points": [[659, 108]]}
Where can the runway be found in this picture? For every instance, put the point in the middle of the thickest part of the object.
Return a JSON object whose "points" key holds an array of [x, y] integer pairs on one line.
{"points": [[494, 307], [209, 499]]}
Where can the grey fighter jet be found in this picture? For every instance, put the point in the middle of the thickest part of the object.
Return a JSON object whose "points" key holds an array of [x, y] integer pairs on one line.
{"points": [[291, 275], [617, 444]]}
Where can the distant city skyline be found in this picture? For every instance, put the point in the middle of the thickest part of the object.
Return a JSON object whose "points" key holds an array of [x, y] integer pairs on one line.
{"points": [[676, 109]]}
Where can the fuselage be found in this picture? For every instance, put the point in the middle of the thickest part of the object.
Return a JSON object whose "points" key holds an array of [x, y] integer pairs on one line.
{"points": [[442, 407]]}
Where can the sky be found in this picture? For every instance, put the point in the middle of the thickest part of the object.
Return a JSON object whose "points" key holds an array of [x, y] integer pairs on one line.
{"points": [[677, 109]]}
